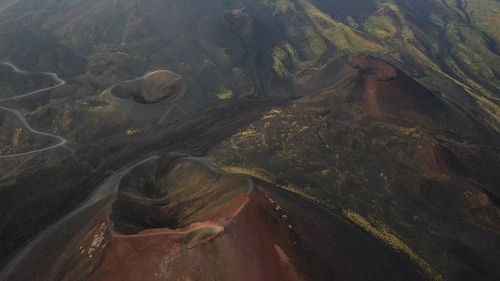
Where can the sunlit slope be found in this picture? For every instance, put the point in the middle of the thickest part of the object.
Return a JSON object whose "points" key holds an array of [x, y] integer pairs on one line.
{"points": [[230, 49], [380, 149], [237, 37]]}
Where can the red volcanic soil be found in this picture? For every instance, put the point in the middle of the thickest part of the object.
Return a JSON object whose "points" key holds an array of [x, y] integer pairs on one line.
{"points": [[480, 205], [436, 159], [254, 231], [265, 240], [389, 94], [370, 85]]}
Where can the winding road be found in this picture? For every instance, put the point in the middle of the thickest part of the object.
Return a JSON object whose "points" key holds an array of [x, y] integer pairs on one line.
{"points": [[61, 141]]}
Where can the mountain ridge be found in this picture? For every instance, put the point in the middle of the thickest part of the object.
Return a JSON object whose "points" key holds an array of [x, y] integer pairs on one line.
{"points": [[371, 126]]}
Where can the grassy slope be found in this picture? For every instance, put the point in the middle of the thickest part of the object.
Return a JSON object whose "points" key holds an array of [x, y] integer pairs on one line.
{"points": [[440, 49]]}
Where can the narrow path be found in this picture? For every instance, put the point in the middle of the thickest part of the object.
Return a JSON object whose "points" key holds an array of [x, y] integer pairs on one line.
{"points": [[174, 103], [160, 121], [60, 82], [54, 76], [8, 5], [17, 167], [107, 189]]}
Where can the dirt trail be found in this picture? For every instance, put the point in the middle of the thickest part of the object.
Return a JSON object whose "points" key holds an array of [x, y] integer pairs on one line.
{"points": [[8, 5], [105, 190]]}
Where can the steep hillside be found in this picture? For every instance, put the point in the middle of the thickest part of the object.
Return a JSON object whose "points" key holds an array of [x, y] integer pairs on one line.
{"points": [[224, 226], [381, 150], [249, 139]]}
